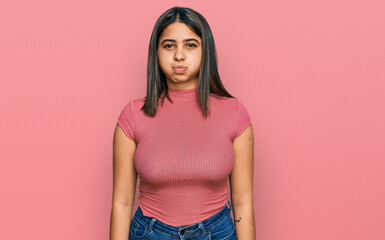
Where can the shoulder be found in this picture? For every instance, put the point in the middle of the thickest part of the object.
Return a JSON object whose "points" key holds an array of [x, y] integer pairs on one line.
{"points": [[137, 103], [230, 103], [134, 104]]}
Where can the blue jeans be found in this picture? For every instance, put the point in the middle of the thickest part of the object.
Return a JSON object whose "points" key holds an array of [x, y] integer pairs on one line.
{"points": [[220, 226]]}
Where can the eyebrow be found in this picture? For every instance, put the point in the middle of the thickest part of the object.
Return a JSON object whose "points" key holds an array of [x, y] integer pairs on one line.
{"points": [[185, 40]]}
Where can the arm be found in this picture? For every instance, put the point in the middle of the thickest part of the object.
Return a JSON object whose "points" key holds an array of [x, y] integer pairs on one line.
{"points": [[124, 185], [241, 185]]}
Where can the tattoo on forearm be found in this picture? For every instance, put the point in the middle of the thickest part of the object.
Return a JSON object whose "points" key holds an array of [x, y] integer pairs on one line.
{"points": [[238, 220]]}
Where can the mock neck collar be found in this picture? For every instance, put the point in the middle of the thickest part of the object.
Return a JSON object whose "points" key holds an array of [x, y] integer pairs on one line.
{"points": [[183, 95]]}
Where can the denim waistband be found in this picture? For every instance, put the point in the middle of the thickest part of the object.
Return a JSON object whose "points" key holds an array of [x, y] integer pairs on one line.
{"points": [[189, 230]]}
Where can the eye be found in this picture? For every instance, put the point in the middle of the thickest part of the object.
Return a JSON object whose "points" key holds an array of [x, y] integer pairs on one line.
{"points": [[165, 46], [192, 44]]}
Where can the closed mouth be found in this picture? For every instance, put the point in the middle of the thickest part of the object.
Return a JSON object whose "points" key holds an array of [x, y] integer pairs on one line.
{"points": [[179, 69]]}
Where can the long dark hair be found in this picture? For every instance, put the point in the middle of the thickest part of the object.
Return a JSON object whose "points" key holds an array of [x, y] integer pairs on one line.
{"points": [[209, 80]]}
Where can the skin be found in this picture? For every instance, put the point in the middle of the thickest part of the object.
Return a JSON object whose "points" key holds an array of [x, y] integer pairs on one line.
{"points": [[124, 185], [176, 47], [186, 53], [241, 185]]}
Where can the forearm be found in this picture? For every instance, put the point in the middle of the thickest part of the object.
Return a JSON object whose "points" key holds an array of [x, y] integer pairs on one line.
{"points": [[120, 221], [244, 221]]}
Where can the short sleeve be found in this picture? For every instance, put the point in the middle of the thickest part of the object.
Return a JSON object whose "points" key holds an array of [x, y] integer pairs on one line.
{"points": [[125, 120], [242, 120]]}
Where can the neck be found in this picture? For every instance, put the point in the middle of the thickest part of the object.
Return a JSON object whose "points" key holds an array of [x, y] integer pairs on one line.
{"points": [[183, 95]]}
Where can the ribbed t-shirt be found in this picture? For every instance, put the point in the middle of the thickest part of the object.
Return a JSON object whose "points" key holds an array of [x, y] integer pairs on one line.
{"points": [[183, 160]]}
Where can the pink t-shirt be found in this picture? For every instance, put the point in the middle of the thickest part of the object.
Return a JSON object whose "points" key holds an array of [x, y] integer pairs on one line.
{"points": [[183, 160]]}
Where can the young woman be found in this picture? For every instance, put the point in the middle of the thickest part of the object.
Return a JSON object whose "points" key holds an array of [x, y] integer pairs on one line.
{"points": [[185, 140]]}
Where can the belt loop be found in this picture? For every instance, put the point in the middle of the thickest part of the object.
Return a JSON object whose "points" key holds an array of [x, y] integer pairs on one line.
{"points": [[151, 223], [202, 228], [228, 201]]}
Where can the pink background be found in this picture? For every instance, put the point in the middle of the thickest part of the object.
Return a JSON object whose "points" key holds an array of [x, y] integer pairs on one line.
{"points": [[311, 74]]}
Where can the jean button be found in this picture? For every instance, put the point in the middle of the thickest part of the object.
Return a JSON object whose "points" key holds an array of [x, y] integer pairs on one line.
{"points": [[182, 231]]}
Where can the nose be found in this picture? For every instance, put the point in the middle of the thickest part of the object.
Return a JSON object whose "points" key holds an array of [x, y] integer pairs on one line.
{"points": [[179, 54]]}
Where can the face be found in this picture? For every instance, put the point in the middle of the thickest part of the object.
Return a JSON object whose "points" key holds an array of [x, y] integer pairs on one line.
{"points": [[179, 54]]}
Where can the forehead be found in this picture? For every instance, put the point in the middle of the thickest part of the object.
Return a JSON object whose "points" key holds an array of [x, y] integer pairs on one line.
{"points": [[178, 31]]}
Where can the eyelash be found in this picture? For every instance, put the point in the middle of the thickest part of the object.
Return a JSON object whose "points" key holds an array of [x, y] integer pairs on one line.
{"points": [[165, 46]]}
